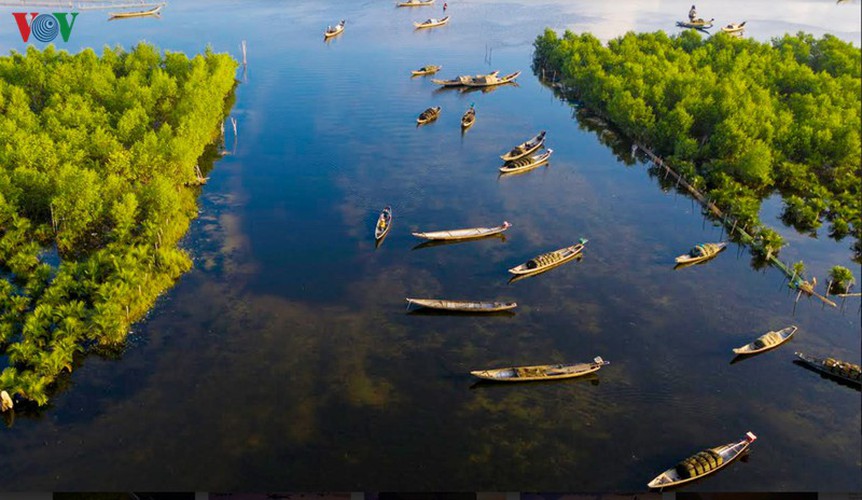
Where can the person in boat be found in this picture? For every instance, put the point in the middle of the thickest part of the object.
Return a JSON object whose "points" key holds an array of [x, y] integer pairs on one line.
{"points": [[444, 6], [692, 14]]}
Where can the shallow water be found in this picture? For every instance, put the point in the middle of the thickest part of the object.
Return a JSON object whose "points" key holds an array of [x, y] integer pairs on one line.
{"points": [[286, 360]]}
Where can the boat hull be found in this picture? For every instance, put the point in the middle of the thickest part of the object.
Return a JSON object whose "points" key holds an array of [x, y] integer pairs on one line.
{"points": [[526, 148], [463, 305], [463, 234], [537, 161], [539, 373], [568, 254], [729, 452], [784, 333]]}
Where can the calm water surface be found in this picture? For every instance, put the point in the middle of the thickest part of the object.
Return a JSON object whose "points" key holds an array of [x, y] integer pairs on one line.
{"points": [[286, 361]]}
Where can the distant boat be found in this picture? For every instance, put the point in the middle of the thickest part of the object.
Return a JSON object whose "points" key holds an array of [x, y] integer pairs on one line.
{"points": [[139, 13], [526, 164], [462, 305], [701, 253], [549, 260], [431, 23], [491, 80], [425, 70], [384, 223], [331, 32], [702, 464], [415, 3], [733, 27], [428, 115], [767, 341], [458, 81], [831, 366], [464, 234], [525, 148], [540, 372], [468, 119], [697, 24]]}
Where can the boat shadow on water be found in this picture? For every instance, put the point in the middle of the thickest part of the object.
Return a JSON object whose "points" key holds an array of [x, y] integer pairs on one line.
{"points": [[592, 379], [833, 378], [437, 312], [440, 243]]}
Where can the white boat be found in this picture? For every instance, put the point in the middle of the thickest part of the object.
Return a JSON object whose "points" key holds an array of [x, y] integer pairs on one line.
{"points": [[702, 464], [384, 223], [733, 27], [462, 305], [464, 234], [767, 341], [527, 147], [415, 3]]}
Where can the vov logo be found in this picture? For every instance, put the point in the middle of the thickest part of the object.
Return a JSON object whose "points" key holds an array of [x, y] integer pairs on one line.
{"points": [[45, 27]]}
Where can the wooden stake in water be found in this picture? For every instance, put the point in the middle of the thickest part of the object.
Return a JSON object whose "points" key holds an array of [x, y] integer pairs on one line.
{"points": [[244, 59]]}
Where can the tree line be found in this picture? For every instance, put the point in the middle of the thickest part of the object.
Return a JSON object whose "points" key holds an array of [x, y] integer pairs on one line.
{"points": [[97, 155], [740, 119]]}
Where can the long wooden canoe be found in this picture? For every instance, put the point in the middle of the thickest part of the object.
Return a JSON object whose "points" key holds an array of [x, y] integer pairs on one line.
{"points": [[702, 464], [384, 223], [767, 341], [425, 70], [464, 234], [833, 367], [431, 23], [458, 81], [697, 24], [415, 3], [491, 80], [468, 119], [462, 305], [525, 148], [540, 372], [701, 253], [549, 260], [138, 13], [331, 32], [526, 164], [733, 27], [429, 115]]}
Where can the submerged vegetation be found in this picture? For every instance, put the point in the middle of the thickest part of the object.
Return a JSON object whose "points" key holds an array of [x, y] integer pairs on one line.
{"points": [[96, 158], [738, 118]]}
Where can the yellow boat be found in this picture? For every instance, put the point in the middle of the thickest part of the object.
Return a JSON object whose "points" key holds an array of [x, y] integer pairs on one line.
{"points": [[331, 32], [702, 464], [525, 148], [428, 115], [425, 70], [431, 23], [526, 164], [549, 260], [540, 372], [468, 119], [139, 13], [700, 253], [462, 305], [767, 341]]}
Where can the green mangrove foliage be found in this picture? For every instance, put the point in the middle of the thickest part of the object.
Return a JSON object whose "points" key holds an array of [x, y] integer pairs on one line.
{"points": [[96, 155], [739, 118], [841, 279]]}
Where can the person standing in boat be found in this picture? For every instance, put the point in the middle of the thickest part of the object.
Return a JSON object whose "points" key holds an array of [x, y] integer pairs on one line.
{"points": [[444, 6], [692, 14]]}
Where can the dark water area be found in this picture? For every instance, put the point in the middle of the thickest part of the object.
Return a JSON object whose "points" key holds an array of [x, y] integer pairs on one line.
{"points": [[286, 360]]}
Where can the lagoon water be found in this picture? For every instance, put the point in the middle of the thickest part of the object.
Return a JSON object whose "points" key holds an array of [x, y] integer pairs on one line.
{"points": [[286, 361]]}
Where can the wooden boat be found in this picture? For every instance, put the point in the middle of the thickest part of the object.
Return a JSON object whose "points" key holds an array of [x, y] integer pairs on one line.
{"points": [[831, 366], [540, 372], [701, 253], [428, 115], [697, 24], [425, 70], [414, 3], [469, 118], [733, 27], [384, 223], [767, 341], [138, 13], [526, 164], [462, 305], [491, 80], [331, 32], [549, 260], [431, 23], [525, 148], [458, 81], [702, 464], [464, 234]]}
